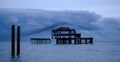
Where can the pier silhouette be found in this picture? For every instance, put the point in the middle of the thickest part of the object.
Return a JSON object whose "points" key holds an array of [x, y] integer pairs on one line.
{"points": [[13, 30], [40, 40], [66, 35]]}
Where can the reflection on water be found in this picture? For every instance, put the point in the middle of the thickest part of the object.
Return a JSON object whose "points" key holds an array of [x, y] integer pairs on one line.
{"points": [[17, 59]]}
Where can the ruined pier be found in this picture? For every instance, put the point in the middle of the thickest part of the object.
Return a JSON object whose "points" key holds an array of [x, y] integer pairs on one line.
{"points": [[65, 35]]}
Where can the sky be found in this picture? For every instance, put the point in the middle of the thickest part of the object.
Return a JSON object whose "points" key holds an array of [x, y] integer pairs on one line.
{"points": [[107, 8], [101, 16]]}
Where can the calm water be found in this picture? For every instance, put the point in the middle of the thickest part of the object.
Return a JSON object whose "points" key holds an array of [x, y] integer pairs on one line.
{"points": [[98, 52]]}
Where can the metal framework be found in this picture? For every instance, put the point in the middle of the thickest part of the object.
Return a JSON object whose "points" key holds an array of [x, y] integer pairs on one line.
{"points": [[65, 35]]}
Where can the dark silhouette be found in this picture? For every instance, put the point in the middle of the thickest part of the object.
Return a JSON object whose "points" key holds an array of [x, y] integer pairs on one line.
{"points": [[65, 35], [18, 40], [40, 40], [13, 41]]}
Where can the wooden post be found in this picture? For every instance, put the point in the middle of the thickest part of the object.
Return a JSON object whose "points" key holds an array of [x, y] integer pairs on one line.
{"points": [[80, 40], [65, 42], [91, 41], [18, 40], [75, 41], [56, 41], [13, 41], [86, 41], [69, 40]]}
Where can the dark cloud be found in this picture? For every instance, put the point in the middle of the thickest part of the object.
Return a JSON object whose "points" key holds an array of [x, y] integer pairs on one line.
{"points": [[36, 22]]}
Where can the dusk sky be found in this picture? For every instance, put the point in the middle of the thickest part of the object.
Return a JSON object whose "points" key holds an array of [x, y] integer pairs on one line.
{"points": [[107, 8]]}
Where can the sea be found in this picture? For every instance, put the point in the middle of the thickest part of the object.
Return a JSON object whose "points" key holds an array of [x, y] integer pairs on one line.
{"points": [[96, 52]]}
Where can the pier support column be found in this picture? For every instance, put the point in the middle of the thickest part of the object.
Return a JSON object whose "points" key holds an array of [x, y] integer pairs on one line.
{"points": [[80, 40], [13, 41], [86, 41], [75, 42], [65, 41], [69, 40], [91, 41], [18, 40], [56, 41]]}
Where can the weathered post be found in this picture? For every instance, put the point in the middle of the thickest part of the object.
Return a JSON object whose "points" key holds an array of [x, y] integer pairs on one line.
{"points": [[13, 41], [91, 40], [56, 41], [86, 39], [69, 40], [18, 40], [75, 42], [80, 41]]}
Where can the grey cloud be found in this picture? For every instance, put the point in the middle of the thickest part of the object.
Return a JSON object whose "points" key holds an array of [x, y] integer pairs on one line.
{"points": [[36, 22]]}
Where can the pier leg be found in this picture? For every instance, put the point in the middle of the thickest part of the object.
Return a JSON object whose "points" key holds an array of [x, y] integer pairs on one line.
{"points": [[13, 41], [91, 41], [18, 40], [56, 41], [65, 41], [69, 41], [86, 41], [75, 42], [80, 41]]}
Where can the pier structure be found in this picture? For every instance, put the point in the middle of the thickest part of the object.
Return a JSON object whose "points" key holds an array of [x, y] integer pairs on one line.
{"points": [[40, 40], [65, 35]]}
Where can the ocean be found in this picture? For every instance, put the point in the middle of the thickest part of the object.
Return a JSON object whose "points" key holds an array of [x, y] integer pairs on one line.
{"points": [[97, 52]]}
